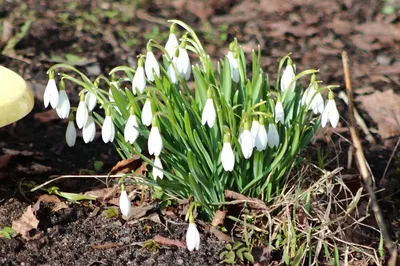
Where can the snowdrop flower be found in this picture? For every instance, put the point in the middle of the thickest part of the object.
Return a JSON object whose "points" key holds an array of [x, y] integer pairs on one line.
{"points": [[192, 237], [312, 98], [171, 71], [82, 112], [255, 125], [273, 136], [51, 95], [246, 142], [63, 106], [70, 134], [147, 114], [89, 130], [124, 202], [183, 63], [151, 64], [227, 155], [279, 114], [330, 112], [108, 129], [90, 100], [261, 139], [155, 144], [157, 168], [172, 42], [139, 80], [233, 62], [131, 132], [287, 77], [209, 115]]}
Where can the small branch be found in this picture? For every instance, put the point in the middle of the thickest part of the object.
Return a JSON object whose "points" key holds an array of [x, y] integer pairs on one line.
{"points": [[168, 242], [362, 166], [253, 203]]}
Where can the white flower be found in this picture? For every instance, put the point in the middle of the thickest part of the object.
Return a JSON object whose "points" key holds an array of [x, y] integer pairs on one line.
{"points": [[227, 157], [139, 80], [70, 134], [63, 106], [91, 100], [171, 44], [255, 125], [151, 65], [192, 237], [147, 114], [317, 104], [183, 64], [157, 168], [51, 94], [81, 114], [131, 132], [287, 77], [155, 144], [330, 114], [171, 72], [313, 99], [108, 130], [89, 130], [209, 115], [261, 139], [125, 203], [279, 114], [273, 136], [246, 142], [234, 65]]}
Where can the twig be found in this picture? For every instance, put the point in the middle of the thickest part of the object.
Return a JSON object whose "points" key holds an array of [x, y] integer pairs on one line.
{"points": [[168, 242], [253, 203], [362, 166], [391, 158]]}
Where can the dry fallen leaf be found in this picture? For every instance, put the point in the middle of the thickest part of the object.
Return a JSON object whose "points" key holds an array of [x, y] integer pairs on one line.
{"points": [[384, 109], [126, 166], [4, 160], [27, 222]]}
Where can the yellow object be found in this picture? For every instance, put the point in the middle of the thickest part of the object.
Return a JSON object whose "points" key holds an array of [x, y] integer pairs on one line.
{"points": [[16, 98]]}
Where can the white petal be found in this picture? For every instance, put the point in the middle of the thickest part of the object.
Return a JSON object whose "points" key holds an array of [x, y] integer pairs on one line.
{"points": [[333, 114], [108, 130], [246, 141], [261, 138], [325, 114], [227, 157], [233, 62], [287, 76], [183, 63], [90, 100], [255, 125], [81, 115], [273, 136], [157, 168], [151, 65], [51, 94], [63, 106], [171, 74], [192, 237], [147, 114], [125, 203], [279, 114], [317, 104], [139, 81], [89, 130], [70, 134], [209, 115], [155, 144], [171, 44], [131, 132]]}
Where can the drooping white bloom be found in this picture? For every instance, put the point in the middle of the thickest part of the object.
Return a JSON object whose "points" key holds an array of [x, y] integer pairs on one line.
{"points": [[234, 65], [279, 114], [317, 104], [246, 142], [255, 125], [192, 237], [330, 114], [287, 77], [171, 44], [209, 115], [155, 144], [51, 94], [313, 100], [81, 114], [157, 169], [89, 130], [63, 106], [108, 130], [151, 65], [227, 157], [147, 114], [183, 64], [273, 136], [131, 132], [91, 100], [70, 134], [125, 203], [171, 71], [139, 80], [261, 140]]}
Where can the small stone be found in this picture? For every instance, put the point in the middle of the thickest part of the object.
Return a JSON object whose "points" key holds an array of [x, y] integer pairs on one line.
{"points": [[383, 60]]}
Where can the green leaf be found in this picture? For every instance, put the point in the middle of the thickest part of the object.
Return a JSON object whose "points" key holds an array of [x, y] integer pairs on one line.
{"points": [[98, 165], [201, 87], [227, 81], [249, 257], [111, 212], [120, 101], [7, 232]]}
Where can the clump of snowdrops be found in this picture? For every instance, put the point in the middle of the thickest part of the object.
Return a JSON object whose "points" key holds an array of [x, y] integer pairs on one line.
{"points": [[234, 129]]}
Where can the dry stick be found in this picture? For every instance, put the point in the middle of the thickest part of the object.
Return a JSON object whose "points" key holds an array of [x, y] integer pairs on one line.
{"points": [[362, 165]]}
